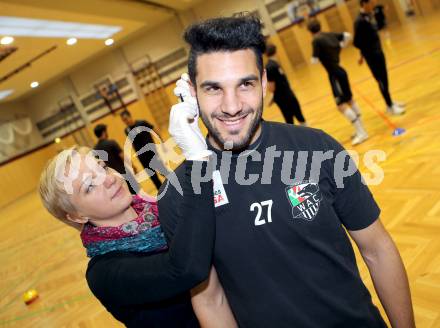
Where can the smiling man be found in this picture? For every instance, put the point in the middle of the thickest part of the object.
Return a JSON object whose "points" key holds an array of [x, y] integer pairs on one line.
{"points": [[231, 94], [232, 112], [281, 253]]}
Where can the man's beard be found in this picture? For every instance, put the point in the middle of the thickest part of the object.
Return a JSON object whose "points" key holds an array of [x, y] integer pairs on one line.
{"points": [[235, 145]]}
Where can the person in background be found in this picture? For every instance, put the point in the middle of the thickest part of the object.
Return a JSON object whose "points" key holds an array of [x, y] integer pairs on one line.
{"points": [[283, 95], [139, 132], [379, 16], [367, 40], [326, 49], [115, 156]]}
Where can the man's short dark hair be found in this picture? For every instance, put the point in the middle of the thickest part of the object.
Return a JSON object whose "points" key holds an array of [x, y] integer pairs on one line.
{"points": [[125, 113], [271, 49], [314, 26], [99, 130], [361, 2], [240, 32]]}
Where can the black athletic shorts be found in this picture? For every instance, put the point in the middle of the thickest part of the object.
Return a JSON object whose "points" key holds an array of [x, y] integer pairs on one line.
{"points": [[340, 85]]}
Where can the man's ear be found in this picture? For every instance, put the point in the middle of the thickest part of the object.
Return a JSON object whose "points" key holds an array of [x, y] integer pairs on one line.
{"points": [[192, 89], [264, 82], [77, 218]]}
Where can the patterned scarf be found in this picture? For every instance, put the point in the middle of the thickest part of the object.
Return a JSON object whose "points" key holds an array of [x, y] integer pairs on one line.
{"points": [[142, 234]]}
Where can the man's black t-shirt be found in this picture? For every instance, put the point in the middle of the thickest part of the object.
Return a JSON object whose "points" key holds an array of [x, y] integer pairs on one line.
{"points": [[281, 252], [114, 154], [366, 38], [275, 74], [326, 48], [142, 136]]}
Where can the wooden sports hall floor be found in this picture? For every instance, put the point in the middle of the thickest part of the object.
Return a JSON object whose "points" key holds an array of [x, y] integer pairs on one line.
{"points": [[38, 252]]}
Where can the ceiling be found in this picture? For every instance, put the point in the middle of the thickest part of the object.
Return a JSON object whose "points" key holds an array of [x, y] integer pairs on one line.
{"points": [[132, 15]]}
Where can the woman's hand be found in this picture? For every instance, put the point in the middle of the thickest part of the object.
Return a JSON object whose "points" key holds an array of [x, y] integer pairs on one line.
{"points": [[184, 123]]}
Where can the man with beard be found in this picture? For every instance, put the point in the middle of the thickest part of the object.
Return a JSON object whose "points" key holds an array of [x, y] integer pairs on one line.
{"points": [[282, 255]]}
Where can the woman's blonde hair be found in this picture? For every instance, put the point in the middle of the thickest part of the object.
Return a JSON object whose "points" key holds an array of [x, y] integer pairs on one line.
{"points": [[54, 191]]}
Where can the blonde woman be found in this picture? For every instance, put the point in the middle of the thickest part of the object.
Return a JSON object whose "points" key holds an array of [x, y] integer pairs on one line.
{"points": [[140, 279]]}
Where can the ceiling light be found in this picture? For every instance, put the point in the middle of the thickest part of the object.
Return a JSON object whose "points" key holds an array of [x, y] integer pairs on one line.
{"points": [[6, 40], [21, 26], [34, 84], [109, 42], [5, 93], [57, 140], [71, 41]]}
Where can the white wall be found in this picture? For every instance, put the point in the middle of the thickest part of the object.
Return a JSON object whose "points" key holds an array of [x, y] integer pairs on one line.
{"points": [[86, 75], [216, 8], [9, 109], [45, 102], [157, 43]]}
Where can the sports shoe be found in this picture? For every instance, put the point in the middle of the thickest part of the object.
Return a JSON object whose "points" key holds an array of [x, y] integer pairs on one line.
{"points": [[395, 110], [399, 103], [303, 124], [359, 138]]}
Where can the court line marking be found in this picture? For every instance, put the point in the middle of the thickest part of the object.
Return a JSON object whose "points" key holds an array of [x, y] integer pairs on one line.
{"points": [[378, 112]]}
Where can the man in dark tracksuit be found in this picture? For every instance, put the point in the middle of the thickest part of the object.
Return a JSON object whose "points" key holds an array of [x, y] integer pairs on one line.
{"points": [[141, 137], [283, 95], [327, 48], [367, 40], [115, 156], [379, 15]]}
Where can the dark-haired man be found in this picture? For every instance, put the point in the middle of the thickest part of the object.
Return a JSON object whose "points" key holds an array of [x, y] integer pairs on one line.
{"points": [[115, 156], [278, 84], [367, 40], [281, 251], [326, 48], [139, 131]]}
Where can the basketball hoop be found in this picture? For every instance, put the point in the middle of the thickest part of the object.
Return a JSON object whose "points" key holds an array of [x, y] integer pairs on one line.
{"points": [[108, 91], [300, 10]]}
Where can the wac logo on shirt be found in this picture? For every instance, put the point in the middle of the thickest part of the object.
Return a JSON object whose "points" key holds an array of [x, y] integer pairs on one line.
{"points": [[304, 198]]}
